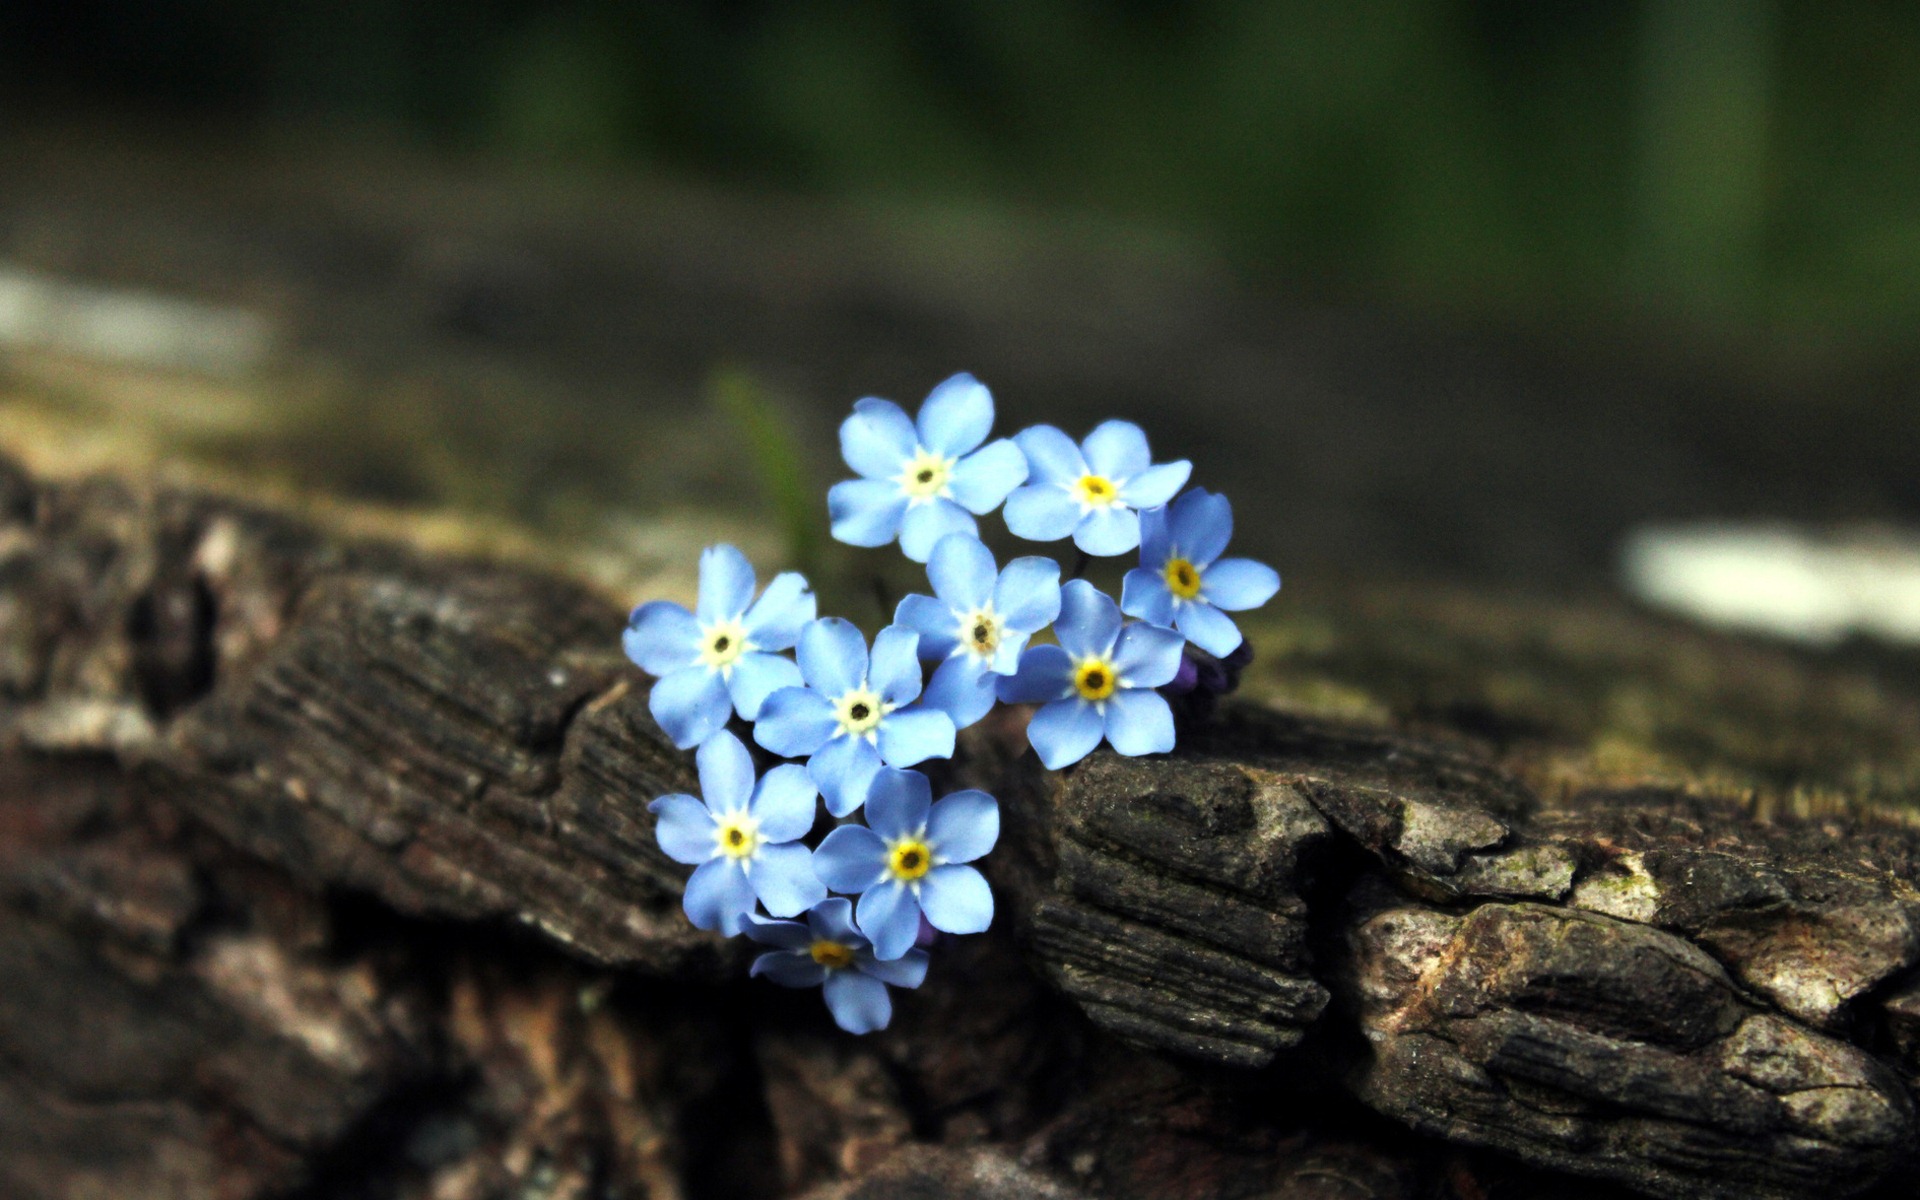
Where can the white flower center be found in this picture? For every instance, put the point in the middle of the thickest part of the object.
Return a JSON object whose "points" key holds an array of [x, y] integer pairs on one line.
{"points": [[723, 642], [980, 631], [925, 477], [737, 835], [1096, 492], [860, 712]]}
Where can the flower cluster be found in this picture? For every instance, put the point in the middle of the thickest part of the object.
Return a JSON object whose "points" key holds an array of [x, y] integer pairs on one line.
{"points": [[852, 911]]}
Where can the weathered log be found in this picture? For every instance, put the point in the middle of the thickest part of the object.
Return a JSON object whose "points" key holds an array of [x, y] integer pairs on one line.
{"points": [[326, 868]]}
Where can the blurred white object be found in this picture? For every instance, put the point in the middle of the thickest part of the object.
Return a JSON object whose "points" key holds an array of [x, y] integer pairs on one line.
{"points": [[1781, 579], [44, 312]]}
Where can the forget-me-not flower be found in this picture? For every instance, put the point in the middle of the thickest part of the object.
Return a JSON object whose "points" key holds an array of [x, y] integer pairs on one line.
{"points": [[827, 952], [910, 859], [979, 622], [1098, 682], [744, 836], [1183, 583], [853, 714], [922, 480], [1092, 491], [718, 659]]}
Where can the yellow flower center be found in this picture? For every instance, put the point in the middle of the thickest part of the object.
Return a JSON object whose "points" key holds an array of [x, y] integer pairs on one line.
{"points": [[832, 955], [860, 712], [1096, 491], [738, 836], [909, 859], [925, 476], [980, 632], [1183, 579], [722, 643], [1095, 679]]}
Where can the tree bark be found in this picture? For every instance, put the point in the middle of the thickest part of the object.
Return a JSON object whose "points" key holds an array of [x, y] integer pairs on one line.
{"points": [[327, 872]]}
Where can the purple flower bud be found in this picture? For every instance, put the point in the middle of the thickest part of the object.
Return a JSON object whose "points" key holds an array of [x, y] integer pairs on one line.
{"points": [[1184, 679]]}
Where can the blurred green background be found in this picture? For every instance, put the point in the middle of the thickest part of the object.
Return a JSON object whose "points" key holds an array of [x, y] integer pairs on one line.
{"points": [[1439, 288], [1751, 164]]}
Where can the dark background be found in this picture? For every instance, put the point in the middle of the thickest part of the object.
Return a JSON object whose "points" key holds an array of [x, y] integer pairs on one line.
{"points": [[1461, 289]]}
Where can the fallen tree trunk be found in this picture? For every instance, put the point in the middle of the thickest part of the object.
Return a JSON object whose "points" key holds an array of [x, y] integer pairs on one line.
{"points": [[327, 871]]}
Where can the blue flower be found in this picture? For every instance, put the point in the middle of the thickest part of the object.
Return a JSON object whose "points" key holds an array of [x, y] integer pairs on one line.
{"points": [[1098, 682], [1092, 491], [743, 838], [977, 627], [1183, 583], [715, 661], [908, 860], [920, 482], [853, 714], [827, 952]]}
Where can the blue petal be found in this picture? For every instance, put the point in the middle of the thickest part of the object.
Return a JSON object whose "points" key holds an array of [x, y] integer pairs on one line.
{"points": [[1209, 628], [691, 705], [877, 439], [662, 638], [1156, 538], [832, 919], [925, 524], [1156, 485], [776, 618], [844, 770], [783, 878], [1089, 620], [788, 968], [726, 584], [981, 481], [956, 416], [956, 900], [684, 828], [1139, 722], [1042, 512], [1237, 584], [1027, 594], [1106, 532], [895, 669], [1144, 594], [933, 620], [1046, 673], [899, 803], [795, 722], [1006, 656], [962, 687], [962, 572], [788, 935], [1117, 450], [718, 896], [865, 512], [859, 1004], [1199, 526], [890, 919], [1064, 732], [1147, 656], [963, 826], [914, 735], [907, 971], [726, 774], [833, 656], [851, 859], [1051, 455], [756, 676], [783, 803]]}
